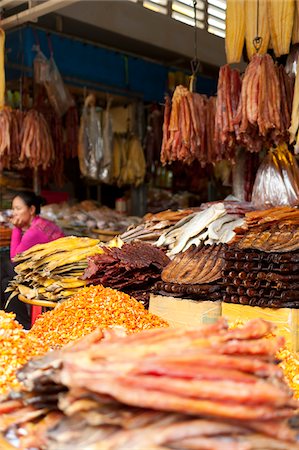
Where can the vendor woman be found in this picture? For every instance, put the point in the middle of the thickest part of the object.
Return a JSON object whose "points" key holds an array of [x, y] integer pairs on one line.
{"points": [[29, 229]]}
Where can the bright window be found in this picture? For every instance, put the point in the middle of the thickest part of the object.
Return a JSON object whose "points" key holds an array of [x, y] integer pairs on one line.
{"points": [[210, 14]]}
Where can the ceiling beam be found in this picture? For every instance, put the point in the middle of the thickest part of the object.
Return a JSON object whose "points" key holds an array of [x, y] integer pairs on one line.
{"points": [[34, 12]]}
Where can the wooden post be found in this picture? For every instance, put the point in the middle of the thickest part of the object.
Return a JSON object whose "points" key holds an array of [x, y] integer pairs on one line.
{"points": [[36, 181]]}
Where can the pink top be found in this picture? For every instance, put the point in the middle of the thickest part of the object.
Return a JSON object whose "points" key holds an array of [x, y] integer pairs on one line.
{"points": [[40, 231]]}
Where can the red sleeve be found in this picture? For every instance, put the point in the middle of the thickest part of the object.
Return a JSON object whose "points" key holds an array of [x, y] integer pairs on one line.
{"points": [[30, 238]]}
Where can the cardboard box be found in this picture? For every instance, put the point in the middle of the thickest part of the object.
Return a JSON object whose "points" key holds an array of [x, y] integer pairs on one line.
{"points": [[180, 312], [286, 320]]}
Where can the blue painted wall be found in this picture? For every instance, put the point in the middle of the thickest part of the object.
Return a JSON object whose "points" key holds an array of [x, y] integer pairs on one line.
{"points": [[88, 63]]}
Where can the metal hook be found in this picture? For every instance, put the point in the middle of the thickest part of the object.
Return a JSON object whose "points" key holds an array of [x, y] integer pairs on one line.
{"points": [[257, 43], [195, 66]]}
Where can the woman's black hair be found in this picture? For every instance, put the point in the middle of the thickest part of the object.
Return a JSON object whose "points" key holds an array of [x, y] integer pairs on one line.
{"points": [[31, 199]]}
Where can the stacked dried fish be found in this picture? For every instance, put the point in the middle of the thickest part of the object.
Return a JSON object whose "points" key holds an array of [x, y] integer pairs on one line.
{"points": [[133, 269], [256, 278], [153, 225], [192, 272], [210, 226], [188, 129], [271, 230], [207, 387], [50, 272], [198, 265]]}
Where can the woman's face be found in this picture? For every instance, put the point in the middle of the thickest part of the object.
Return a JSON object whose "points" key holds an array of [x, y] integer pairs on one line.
{"points": [[22, 214]]}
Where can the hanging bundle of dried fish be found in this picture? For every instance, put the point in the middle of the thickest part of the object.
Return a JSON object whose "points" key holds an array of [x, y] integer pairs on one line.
{"points": [[37, 147], [188, 129]]}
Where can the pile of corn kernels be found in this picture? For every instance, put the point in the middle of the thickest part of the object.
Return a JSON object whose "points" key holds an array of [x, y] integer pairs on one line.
{"points": [[88, 309], [16, 349], [290, 366]]}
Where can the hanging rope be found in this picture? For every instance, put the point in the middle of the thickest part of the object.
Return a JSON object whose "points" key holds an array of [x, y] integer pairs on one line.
{"points": [[195, 63], [257, 41]]}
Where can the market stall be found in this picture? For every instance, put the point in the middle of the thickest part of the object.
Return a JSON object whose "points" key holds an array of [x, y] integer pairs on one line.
{"points": [[178, 329]]}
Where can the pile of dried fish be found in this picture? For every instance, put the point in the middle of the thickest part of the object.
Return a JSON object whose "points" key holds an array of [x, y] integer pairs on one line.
{"points": [[133, 268], [208, 387], [153, 225], [210, 226], [271, 230], [197, 265], [194, 273], [50, 272], [256, 278]]}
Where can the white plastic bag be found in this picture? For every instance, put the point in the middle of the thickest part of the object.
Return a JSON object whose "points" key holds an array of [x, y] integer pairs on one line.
{"points": [[277, 180], [90, 151], [59, 95]]}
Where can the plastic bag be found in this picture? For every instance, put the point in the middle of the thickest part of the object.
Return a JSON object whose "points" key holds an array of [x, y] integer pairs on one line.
{"points": [[41, 67], [90, 151], [59, 96], [277, 180]]}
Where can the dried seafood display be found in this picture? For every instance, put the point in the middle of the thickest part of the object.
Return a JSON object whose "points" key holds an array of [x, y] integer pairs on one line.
{"points": [[208, 387], [11, 123], [90, 308], [47, 273], [37, 147], [270, 20], [256, 278], [153, 225], [263, 114], [213, 225], [188, 129], [133, 268], [227, 132], [87, 217], [128, 161], [196, 292], [197, 265], [271, 230], [25, 140]]}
